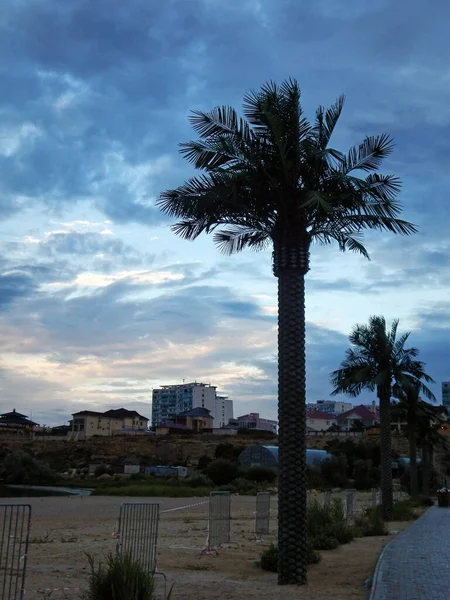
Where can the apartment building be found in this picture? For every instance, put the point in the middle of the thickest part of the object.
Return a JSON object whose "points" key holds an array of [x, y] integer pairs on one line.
{"points": [[224, 411], [168, 401], [332, 407]]}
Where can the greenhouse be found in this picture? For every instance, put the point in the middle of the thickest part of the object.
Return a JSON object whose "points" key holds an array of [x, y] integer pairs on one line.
{"points": [[267, 456]]}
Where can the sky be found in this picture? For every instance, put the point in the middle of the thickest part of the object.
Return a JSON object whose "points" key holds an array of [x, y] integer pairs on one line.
{"points": [[99, 301]]}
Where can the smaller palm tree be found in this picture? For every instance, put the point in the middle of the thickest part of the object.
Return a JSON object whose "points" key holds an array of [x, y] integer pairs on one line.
{"points": [[428, 439], [413, 410], [380, 362]]}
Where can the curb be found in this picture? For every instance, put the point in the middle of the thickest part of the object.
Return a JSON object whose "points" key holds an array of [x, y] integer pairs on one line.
{"points": [[373, 590], [378, 567]]}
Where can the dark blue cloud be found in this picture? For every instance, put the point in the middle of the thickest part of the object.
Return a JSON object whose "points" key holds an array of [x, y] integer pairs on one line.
{"points": [[135, 70], [14, 286]]}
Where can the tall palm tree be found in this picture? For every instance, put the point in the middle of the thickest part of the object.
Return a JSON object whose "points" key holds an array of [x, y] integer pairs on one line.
{"points": [[412, 409], [379, 362], [272, 178]]}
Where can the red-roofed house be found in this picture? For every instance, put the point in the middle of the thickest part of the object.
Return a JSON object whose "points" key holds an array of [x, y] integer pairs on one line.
{"points": [[318, 420], [362, 414]]}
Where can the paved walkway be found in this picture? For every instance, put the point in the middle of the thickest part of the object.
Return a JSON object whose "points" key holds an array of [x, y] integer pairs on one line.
{"points": [[416, 564]]}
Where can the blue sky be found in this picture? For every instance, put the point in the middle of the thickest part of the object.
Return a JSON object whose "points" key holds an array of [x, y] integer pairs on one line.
{"points": [[99, 301]]}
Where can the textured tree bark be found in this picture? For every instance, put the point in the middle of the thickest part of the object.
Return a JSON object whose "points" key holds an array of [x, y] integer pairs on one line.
{"points": [[384, 395], [413, 459], [290, 266], [431, 462], [425, 468]]}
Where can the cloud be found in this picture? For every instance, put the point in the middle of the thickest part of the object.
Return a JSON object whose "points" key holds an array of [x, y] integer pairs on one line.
{"points": [[93, 105], [14, 286]]}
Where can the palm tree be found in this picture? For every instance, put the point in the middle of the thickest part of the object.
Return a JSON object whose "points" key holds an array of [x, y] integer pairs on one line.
{"points": [[272, 178], [413, 410], [428, 438], [379, 362]]}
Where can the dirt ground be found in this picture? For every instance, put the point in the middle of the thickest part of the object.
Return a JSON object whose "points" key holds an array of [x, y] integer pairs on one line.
{"points": [[63, 529]]}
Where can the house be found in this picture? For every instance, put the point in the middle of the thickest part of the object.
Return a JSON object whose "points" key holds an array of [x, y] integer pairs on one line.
{"points": [[318, 420], [197, 419], [15, 423], [87, 423], [255, 422], [358, 416]]}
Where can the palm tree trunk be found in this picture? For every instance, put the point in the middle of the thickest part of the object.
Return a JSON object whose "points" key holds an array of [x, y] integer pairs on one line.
{"points": [[290, 266], [384, 395], [431, 463], [413, 460], [425, 468]]}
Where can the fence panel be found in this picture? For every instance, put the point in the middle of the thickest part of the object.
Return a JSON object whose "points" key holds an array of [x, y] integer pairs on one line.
{"points": [[15, 535], [137, 535], [327, 499], [262, 515], [219, 519], [350, 496]]}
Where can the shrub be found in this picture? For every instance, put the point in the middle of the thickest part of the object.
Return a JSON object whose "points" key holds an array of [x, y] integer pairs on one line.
{"points": [[325, 542], [328, 523], [242, 485], [121, 579], [222, 472], [228, 451], [315, 478], [403, 511], [138, 477], [203, 462], [370, 523], [21, 468], [155, 490], [365, 475], [423, 501], [199, 480], [334, 471], [269, 558], [103, 470], [260, 474]]}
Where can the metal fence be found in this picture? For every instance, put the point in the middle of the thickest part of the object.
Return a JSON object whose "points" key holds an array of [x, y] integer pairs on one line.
{"points": [[262, 514], [349, 504], [137, 534], [219, 521], [15, 534], [376, 497]]}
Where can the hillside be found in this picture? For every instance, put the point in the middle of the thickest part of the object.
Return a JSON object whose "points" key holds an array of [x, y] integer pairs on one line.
{"points": [[173, 449], [62, 455]]}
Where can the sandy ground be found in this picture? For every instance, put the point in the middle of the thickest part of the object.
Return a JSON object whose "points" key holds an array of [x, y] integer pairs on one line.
{"points": [[63, 529]]}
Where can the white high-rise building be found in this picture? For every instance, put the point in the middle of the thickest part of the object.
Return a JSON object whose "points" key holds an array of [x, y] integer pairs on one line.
{"points": [[224, 411], [170, 400]]}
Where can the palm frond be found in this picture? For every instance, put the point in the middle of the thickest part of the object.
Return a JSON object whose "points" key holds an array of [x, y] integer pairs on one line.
{"points": [[368, 155], [326, 121], [233, 240], [208, 156], [220, 121]]}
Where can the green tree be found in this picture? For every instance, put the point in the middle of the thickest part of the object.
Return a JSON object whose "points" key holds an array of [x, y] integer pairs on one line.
{"points": [[379, 362], [20, 468], [271, 178]]}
